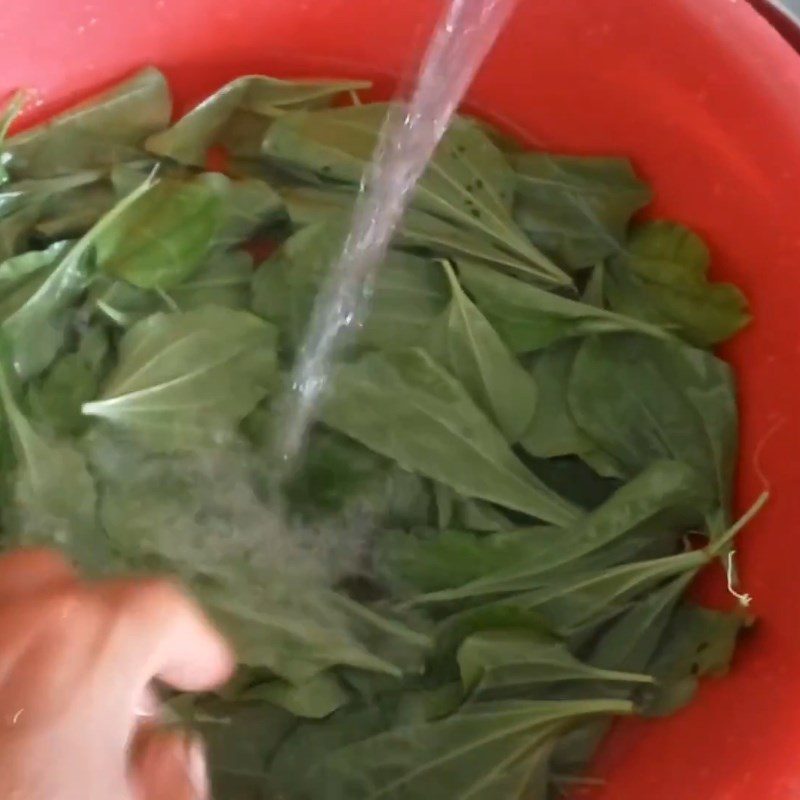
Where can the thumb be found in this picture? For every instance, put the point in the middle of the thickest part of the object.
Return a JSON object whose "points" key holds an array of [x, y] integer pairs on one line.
{"points": [[169, 765]]}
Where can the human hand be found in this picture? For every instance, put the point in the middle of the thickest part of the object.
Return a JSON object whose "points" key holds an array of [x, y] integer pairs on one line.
{"points": [[76, 663]]}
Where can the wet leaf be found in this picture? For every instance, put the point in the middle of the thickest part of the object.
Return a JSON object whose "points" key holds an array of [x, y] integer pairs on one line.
{"points": [[189, 139], [575, 208], [188, 377], [468, 183], [662, 277], [465, 343], [404, 406], [104, 130]]}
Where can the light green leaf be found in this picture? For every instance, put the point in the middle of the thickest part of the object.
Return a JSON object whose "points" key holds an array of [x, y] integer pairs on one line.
{"points": [[404, 406], [468, 183], [102, 131], [577, 209], [162, 237], [465, 343], [264, 98], [187, 378], [662, 277]]}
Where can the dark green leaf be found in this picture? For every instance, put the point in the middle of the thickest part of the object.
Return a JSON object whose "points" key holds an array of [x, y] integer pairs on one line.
{"points": [[643, 399], [521, 660], [699, 641], [409, 294], [577, 209], [465, 343], [189, 139], [187, 378], [649, 507], [404, 406], [55, 399], [104, 130], [466, 756], [529, 318], [318, 697], [468, 183], [662, 277], [418, 232], [54, 495]]}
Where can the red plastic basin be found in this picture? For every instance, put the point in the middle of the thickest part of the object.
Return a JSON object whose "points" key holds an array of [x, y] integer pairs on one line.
{"points": [[706, 98]]}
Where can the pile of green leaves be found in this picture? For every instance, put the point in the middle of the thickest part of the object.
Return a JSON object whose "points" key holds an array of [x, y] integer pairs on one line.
{"points": [[520, 466]]}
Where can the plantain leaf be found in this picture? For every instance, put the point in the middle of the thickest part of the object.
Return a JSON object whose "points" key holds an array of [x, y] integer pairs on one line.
{"points": [[188, 378], [662, 277], [252, 96], [53, 500], [529, 318], [520, 660], [465, 343], [404, 406], [577, 209], [468, 183], [684, 407], [106, 129], [410, 292], [162, 237]]}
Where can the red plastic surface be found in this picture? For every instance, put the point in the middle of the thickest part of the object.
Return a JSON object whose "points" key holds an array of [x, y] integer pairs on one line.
{"points": [[706, 97]]}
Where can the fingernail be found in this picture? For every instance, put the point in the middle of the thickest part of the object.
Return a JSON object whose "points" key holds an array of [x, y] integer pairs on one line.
{"points": [[196, 767]]}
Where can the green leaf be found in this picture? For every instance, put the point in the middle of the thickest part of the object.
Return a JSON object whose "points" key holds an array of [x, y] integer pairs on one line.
{"points": [[631, 641], [25, 204], [521, 660], [36, 327], [699, 641], [435, 561], [469, 347], [54, 495], [409, 293], [249, 206], [162, 237], [529, 318], [9, 114], [419, 232], [315, 699], [404, 406], [552, 431], [55, 399], [468, 183], [643, 400], [467, 756], [102, 131], [655, 502], [189, 139], [577, 209], [662, 277], [187, 378]]}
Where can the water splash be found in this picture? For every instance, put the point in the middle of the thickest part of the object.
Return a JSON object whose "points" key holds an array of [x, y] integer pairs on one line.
{"points": [[407, 141]]}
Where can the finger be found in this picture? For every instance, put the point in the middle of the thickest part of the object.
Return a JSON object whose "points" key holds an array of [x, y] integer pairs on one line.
{"points": [[167, 765], [27, 572], [161, 633]]}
